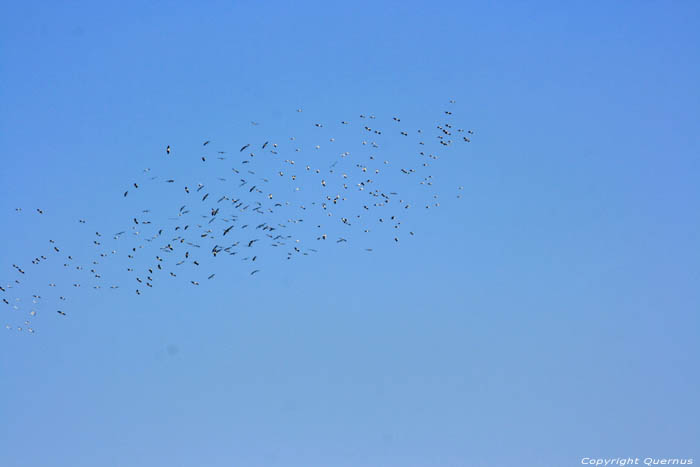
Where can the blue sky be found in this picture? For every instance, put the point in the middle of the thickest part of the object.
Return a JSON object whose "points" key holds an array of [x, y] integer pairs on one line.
{"points": [[549, 314]]}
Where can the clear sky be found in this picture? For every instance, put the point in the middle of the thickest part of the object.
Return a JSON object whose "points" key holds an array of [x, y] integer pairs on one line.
{"points": [[549, 314]]}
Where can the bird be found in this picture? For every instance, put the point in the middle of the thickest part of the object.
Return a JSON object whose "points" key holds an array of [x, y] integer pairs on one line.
{"points": [[349, 195]]}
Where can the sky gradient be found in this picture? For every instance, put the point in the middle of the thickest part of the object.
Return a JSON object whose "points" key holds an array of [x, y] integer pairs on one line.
{"points": [[550, 314]]}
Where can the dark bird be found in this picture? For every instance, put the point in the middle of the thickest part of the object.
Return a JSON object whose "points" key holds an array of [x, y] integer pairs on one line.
{"points": [[167, 150], [244, 147]]}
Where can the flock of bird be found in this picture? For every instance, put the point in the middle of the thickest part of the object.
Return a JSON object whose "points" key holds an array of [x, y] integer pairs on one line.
{"points": [[267, 197]]}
